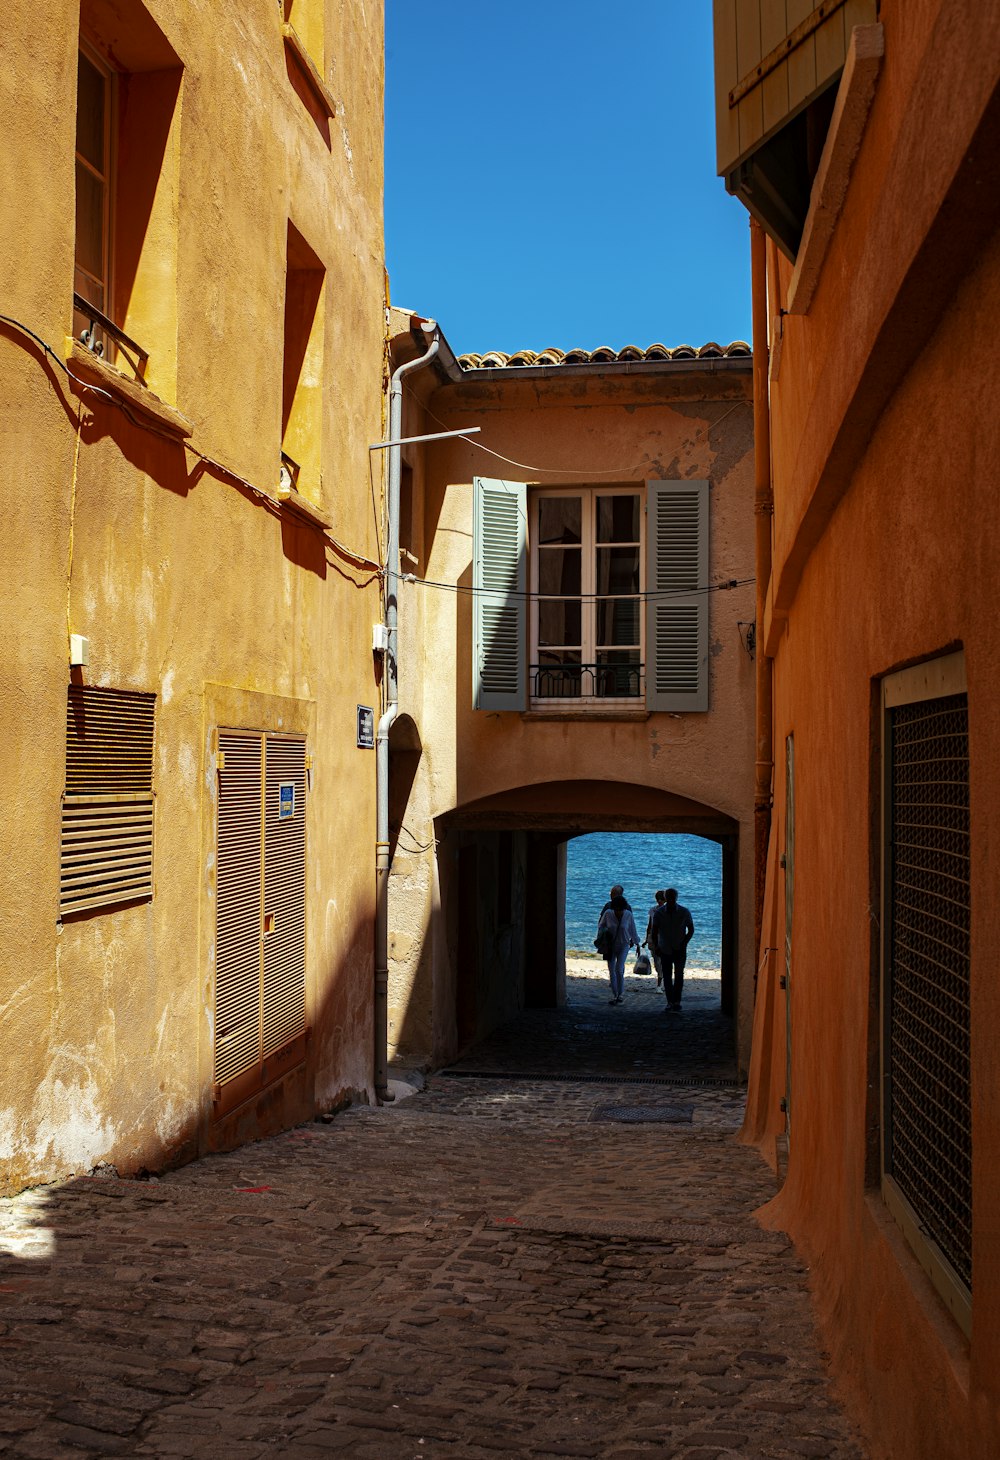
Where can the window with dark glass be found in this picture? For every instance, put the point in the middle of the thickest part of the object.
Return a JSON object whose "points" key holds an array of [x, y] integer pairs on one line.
{"points": [[92, 276], [586, 620]]}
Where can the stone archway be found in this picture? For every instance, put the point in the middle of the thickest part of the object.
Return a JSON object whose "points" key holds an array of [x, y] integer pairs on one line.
{"points": [[516, 839]]}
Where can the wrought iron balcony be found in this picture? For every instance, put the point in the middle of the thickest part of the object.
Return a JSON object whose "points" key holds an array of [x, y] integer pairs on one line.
{"points": [[586, 681], [101, 327]]}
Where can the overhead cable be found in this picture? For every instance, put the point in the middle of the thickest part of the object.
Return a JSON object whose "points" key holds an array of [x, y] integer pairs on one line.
{"points": [[529, 594], [219, 467]]}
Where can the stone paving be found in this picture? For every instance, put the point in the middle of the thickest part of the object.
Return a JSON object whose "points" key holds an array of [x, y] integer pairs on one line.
{"points": [[482, 1270]]}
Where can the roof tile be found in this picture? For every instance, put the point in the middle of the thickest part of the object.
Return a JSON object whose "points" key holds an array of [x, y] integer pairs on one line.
{"points": [[603, 355]]}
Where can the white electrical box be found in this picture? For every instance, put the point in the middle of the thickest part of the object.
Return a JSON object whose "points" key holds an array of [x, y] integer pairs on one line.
{"points": [[380, 638], [79, 651]]}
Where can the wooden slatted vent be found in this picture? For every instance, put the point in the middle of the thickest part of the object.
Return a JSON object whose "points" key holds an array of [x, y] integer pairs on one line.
{"points": [[106, 849]]}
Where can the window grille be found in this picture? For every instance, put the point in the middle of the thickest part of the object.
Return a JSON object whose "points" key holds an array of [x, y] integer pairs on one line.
{"points": [[106, 850], [927, 1133]]}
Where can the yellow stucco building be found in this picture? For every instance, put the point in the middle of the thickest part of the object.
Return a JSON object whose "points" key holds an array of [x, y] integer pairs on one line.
{"points": [[191, 357]]}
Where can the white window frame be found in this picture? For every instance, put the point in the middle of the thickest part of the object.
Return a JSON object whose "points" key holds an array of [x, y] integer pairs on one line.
{"points": [[589, 648]]}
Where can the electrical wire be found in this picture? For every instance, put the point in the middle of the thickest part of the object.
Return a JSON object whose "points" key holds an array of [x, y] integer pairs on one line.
{"points": [[415, 845], [582, 473], [227, 473], [531, 596]]}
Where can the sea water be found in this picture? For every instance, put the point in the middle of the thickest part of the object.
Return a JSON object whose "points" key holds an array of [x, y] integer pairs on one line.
{"points": [[642, 862]]}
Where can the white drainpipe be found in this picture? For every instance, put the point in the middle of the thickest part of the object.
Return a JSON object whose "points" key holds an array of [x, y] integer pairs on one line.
{"points": [[391, 710]]}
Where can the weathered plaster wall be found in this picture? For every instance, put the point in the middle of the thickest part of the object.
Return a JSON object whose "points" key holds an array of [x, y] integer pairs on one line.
{"points": [[877, 1302], [182, 580], [592, 429], [886, 458]]}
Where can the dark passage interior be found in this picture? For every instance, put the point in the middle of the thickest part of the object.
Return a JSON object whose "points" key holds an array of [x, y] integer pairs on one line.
{"points": [[520, 1010]]}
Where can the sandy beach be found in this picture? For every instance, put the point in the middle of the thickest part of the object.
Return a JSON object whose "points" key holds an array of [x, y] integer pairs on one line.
{"points": [[587, 978]]}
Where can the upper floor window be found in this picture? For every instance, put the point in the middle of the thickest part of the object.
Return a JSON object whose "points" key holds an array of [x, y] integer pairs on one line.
{"points": [[587, 575], [95, 105], [127, 192], [590, 594], [302, 370]]}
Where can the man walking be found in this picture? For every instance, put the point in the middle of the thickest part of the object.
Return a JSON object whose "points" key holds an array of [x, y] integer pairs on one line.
{"points": [[673, 927]]}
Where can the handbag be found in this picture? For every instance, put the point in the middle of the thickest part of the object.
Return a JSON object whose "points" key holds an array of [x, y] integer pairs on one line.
{"points": [[642, 964], [605, 940]]}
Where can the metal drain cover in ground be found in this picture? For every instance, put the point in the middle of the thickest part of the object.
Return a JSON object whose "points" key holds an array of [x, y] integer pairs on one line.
{"points": [[644, 1114]]}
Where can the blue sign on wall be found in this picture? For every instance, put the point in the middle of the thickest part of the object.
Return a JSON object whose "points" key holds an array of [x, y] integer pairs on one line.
{"points": [[366, 727], [286, 799]]}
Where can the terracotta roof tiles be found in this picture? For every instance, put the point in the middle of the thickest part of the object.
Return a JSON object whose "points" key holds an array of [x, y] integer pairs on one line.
{"points": [[603, 355]]}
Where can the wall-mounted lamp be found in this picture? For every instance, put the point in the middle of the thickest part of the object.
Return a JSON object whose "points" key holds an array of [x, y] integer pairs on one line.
{"points": [[748, 635]]}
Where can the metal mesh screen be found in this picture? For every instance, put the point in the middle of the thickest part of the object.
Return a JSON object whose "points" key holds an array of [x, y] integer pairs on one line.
{"points": [[929, 1136]]}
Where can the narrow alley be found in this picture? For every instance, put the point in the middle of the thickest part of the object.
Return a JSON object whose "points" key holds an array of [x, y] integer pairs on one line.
{"points": [[548, 1252]]}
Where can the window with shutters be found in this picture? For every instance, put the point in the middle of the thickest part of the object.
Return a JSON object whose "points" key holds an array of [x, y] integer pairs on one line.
{"points": [[106, 851], [590, 595], [926, 971], [260, 1003]]}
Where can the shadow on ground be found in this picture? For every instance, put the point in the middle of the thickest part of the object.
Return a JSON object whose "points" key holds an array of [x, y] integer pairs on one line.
{"points": [[636, 1039]]}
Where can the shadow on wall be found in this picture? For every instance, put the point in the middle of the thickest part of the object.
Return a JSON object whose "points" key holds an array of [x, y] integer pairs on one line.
{"points": [[162, 458], [472, 974], [405, 751]]}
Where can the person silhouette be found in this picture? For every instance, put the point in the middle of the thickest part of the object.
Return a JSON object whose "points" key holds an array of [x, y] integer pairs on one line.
{"points": [[650, 941], [673, 929], [617, 920]]}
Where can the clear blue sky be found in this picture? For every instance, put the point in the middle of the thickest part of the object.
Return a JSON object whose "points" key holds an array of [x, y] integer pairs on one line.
{"points": [[550, 174]]}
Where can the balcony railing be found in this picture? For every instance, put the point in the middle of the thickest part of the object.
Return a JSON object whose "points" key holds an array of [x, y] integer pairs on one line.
{"points": [[100, 327], [587, 681]]}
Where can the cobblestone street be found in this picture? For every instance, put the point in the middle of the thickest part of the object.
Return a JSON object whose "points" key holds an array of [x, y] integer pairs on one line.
{"points": [[500, 1265]]}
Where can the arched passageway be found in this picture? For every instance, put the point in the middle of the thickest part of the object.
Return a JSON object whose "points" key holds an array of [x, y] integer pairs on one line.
{"points": [[503, 985]]}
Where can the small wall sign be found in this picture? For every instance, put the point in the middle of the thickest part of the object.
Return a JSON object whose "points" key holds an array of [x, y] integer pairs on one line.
{"points": [[286, 799], [366, 727]]}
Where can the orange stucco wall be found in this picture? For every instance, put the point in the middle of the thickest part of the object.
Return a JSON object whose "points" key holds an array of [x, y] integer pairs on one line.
{"points": [[186, 583], [886, 455], [596, 427]]}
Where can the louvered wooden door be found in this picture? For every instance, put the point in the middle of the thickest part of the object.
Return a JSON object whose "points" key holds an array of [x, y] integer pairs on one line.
{"points": [[260, 913]]}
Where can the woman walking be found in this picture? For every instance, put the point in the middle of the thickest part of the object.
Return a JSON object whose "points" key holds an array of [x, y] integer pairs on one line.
{"points": [[618, 932]]}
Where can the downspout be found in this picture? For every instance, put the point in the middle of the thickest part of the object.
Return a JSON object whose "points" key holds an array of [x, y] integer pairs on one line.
{"points": [[395, 453], [763, 515]]}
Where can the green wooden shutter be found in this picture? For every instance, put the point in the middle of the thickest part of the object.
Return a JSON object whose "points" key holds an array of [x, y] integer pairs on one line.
{"points": [[499, 580], [677, 606]]}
